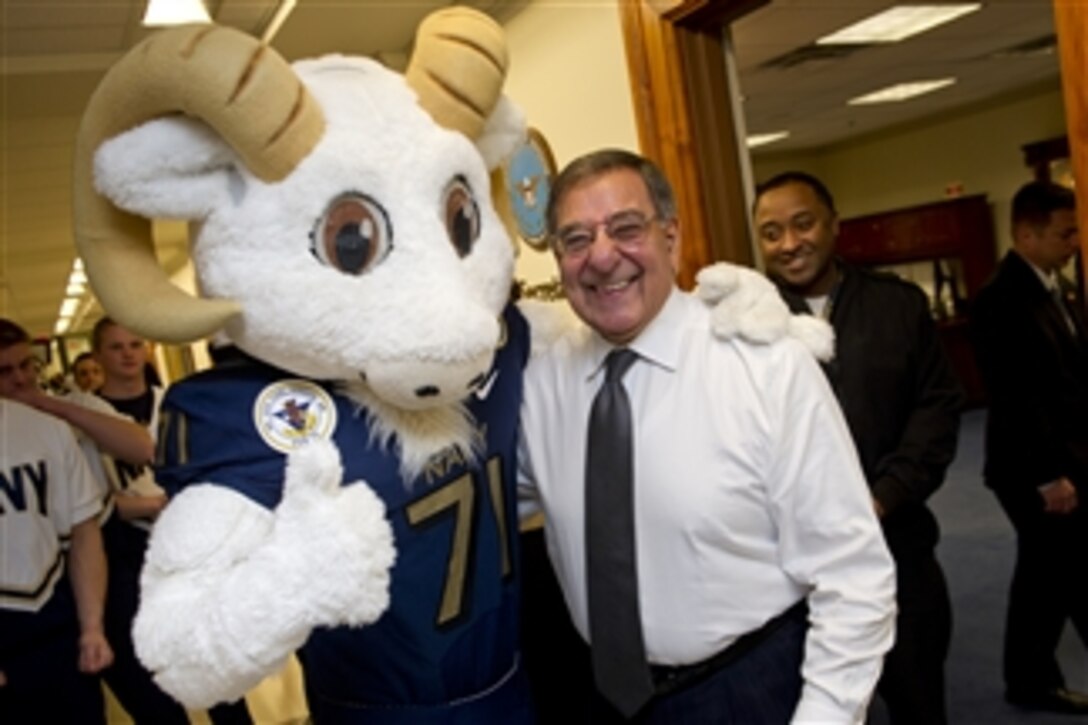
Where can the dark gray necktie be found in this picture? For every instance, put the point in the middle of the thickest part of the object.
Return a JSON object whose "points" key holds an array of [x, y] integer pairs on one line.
{"points": [[615, 627]]}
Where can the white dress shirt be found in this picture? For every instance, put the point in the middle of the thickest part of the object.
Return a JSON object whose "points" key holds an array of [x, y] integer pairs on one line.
{"points": [[748, 498]]}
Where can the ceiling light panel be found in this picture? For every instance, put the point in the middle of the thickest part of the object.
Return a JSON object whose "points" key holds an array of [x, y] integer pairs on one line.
{"points": [[68, 307], [901, 92], [897, 23], [175, 12], [762, 139]]}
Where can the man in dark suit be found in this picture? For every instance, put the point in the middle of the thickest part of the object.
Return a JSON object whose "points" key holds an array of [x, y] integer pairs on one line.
{"points": [[1030, 340]]}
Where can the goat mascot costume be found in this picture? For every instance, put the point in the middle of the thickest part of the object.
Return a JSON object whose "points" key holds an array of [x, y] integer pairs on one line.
{"points": [[353, 463]]}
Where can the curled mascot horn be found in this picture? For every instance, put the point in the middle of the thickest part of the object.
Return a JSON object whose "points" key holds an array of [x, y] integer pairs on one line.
{"points": [[458, 67], [248, 94], [251, 96]]}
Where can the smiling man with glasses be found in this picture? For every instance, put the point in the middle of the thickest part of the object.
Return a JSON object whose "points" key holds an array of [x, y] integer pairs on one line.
{"points": [[616, 242], [703, 502]]}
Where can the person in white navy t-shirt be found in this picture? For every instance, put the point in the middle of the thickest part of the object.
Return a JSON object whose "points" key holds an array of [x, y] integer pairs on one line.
{"points": [[52, 637]]}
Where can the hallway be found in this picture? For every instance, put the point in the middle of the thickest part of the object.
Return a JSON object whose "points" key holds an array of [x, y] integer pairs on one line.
{"points": [[977, 551]]}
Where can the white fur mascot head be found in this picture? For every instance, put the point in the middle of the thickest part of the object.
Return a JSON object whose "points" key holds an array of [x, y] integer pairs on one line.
{"points": [[342, 223]]}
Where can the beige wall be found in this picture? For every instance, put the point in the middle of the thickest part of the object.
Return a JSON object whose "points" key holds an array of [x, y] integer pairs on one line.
{"points": [[568, 72], [978, 149]]}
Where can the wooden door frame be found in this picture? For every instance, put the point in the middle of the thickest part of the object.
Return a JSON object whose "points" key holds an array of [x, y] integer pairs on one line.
{"points": [[1071, 24], [684, 114]]}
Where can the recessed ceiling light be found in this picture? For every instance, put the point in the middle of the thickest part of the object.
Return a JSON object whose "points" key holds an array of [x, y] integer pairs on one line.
{"points": [[68, 307], [175, 12], [901, 92], [76, 288], [897, 23], [762, 139]]}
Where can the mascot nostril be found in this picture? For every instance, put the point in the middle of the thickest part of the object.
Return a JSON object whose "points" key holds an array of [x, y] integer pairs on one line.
{"points": [[428, 391]]}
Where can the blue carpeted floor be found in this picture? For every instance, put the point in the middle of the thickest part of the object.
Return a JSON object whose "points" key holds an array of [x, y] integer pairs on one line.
{"points": [[977, 551]]}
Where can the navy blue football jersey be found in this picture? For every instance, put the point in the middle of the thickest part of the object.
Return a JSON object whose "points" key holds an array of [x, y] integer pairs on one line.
{"points": [[452, 626]]}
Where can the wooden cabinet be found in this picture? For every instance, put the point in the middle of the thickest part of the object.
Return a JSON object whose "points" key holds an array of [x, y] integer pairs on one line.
{"points": [[956, 239], [957, 229]]}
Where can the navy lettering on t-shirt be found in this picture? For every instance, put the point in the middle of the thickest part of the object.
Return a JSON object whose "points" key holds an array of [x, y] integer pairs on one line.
{"points": [[14, 483]]}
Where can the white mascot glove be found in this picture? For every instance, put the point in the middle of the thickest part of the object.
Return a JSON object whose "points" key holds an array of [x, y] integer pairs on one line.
{"points": [[229, 590], [746, 304]]}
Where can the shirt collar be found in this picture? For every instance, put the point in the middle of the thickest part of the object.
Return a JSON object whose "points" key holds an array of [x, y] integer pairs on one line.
{"points": [[1049, 281], [658, 343]]}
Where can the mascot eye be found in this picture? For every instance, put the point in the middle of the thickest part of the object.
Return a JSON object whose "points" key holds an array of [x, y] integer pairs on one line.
{"points": [[462, 216], [353, 235]]}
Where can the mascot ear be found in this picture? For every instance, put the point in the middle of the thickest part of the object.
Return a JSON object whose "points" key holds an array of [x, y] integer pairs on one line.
{"points": [[505, 130], [172, 167]]}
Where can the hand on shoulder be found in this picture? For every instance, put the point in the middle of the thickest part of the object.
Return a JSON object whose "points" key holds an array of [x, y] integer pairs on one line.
{"points": [[745, 304]]}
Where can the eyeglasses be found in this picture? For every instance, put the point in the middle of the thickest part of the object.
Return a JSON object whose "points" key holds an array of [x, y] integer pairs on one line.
{"points": [[626, 228]]}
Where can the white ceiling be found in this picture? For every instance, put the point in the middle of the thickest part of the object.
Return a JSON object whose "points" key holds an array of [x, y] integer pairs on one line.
{"points": [[53, 52], [986, 51]]}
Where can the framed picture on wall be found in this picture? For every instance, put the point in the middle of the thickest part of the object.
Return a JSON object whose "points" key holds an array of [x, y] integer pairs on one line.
{"points": [[528, 175]]}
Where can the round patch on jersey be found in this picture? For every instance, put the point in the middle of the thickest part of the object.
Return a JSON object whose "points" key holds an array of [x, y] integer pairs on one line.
{"points": [[290, 412]]}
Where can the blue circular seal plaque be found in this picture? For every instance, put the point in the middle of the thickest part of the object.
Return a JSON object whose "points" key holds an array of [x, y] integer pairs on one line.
{"points": [[529, 174]]}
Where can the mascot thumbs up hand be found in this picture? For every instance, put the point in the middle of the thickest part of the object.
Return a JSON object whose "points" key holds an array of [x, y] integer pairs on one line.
{"points": [[285, 589]]}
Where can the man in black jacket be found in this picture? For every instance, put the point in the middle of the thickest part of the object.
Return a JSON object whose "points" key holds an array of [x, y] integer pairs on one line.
{"points": [[902, 403], [1033, 354]]}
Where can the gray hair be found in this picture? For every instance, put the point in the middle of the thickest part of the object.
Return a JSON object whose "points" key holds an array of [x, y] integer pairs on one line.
{"points": [[597, 163]]}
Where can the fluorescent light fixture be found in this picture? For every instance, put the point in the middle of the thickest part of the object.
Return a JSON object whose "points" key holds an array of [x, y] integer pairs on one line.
{"points": [[175, 12], [897, 23], [900, 92], [69, 306], [762, 139], [77, 287]]}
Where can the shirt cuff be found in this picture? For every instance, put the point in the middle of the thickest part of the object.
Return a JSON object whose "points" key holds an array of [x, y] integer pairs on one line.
{"points": [[816, 708]]}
